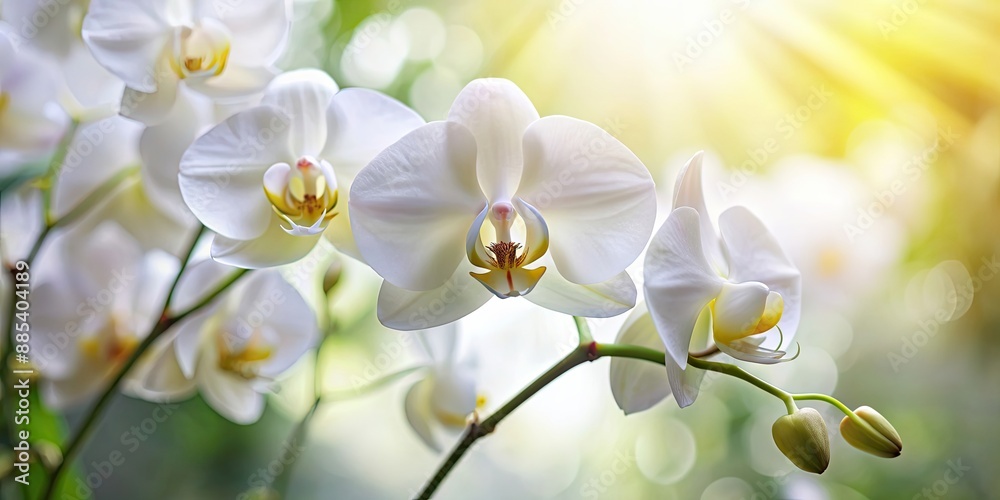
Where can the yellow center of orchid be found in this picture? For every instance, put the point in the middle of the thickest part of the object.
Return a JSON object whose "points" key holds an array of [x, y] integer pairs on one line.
{"points": [[4, 101], [304, 196], [113, 348], [245, 360], [202, 51], [503, 258]]}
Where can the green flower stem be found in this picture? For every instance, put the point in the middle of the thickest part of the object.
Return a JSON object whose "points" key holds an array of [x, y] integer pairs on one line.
{"points": [[735, 371], [583, 353], [49, 178], [583, 330], [840, 406], [166, 321]]}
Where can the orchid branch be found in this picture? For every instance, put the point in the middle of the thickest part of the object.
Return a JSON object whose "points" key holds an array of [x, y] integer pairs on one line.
{"points": [[590, 352]]}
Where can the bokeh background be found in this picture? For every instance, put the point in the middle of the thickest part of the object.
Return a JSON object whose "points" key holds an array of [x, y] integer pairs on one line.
{"points": [[865, 133]]}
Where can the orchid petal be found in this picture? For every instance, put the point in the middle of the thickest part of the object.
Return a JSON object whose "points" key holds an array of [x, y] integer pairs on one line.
{"points": [[684, 382], [303, 97], [497, 113], [259, 30], [274, 247], [419, 413], [412, 206], [360, 124], [688, 192], [151, 108], [679, 282], [128, 38], [596, 196], [754, 255], [599, 300], [458, 296], [638, 385], [221, 174]]}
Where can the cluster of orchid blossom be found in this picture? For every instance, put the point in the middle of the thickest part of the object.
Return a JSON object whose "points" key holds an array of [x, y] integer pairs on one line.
{"points": [[203, 135]]}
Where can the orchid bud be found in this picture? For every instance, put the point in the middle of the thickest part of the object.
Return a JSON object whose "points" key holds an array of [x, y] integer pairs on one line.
{"points": [[803, 438], [878, 438]]}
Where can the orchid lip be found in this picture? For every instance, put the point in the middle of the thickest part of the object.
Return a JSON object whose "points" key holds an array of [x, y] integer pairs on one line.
{"points": [[303, 196], [495, 247]]}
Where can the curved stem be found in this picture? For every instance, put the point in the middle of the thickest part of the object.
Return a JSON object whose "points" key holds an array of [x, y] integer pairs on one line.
{"points": [[87, 426], [98, 195], [581, 354], [737, 372], [48, 179], [476, 429], [583, 330], [840, 406]]}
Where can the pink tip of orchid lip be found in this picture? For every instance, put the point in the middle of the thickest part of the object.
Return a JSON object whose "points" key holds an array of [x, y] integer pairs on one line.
{"points": [[502, 210], [305, 162]]}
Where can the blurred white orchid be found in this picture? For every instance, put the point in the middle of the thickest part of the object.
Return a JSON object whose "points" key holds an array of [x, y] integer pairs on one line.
{"points": [[98, 298], [751, 290], [441, 402], [97, 154], [88, 91], [231, 352], [31, 121], [568, 205], [217, 49], [269, 179]]}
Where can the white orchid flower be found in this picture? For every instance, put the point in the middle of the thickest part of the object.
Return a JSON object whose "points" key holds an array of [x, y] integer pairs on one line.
{"points": [[441, 402], [31, 121], [750, 289], [270, 180], [88, 91], [232, 352], [100, 296], [214, 48], [496, 201]]}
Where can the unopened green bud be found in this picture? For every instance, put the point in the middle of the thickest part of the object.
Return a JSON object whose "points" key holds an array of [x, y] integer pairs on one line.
{"points": [[803, 438], [878, 437]]}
